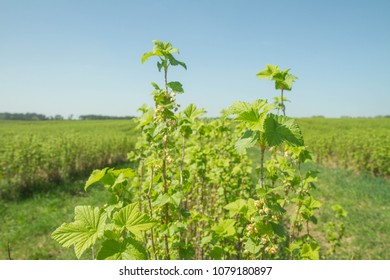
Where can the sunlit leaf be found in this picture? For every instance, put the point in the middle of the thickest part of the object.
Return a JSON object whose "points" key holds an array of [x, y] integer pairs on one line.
{"points": [[192, 112], [225, 228], [268, 72], [130, 218], [128, 249], [87, 227], [237, 207]]}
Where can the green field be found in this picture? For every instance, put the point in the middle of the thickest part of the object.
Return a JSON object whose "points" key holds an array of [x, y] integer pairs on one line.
{"points": [[27, 221], [35, 154], [358, 144]]}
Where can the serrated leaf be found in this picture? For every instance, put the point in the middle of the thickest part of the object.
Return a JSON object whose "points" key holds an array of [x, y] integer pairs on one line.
{"points": [[225, 228], [176, 87], [132, 220], [284, 80], [252, 114], [238, 107], [237, 207], [129, 249], [250, 117], [84, 231], [192, 113], [268, 72], [281, 129]]}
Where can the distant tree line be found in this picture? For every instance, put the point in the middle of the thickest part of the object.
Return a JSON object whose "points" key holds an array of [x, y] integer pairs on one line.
{"points": [[41, 117], [101, 117], [23, 116]]}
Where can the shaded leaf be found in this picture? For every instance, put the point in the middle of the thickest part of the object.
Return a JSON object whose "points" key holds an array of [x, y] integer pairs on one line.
{"points": [[173, 61], [248, 140], [176, 87], [281, 129]]}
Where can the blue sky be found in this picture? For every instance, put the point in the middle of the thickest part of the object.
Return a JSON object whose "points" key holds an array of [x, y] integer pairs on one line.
{"points": [[84, 57]]}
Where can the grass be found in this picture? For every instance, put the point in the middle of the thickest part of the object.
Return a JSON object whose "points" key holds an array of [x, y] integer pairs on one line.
{"points": [[366, 199], [27, 224]]}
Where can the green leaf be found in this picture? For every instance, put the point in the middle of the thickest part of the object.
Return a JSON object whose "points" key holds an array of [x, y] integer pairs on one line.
{"points": [[132, 220], [283, 80], [146, 56], [237, 207], [156, 87], [164, 50], [216, 253], [84, 231], [165, 198], [264, 229], [109, 177], [252, 114], [146, 118], [176, 87], [310, 251], [339, 210], [192, 113], [248, 140], [252, 247], [128, 249], [176, 198], [281, 129], [159, 130], [312, 204], [250, 117], [225, 228], [173, 61], [161, 200], [268, 72], [278, 229], [238, 107], [96, 176]]}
